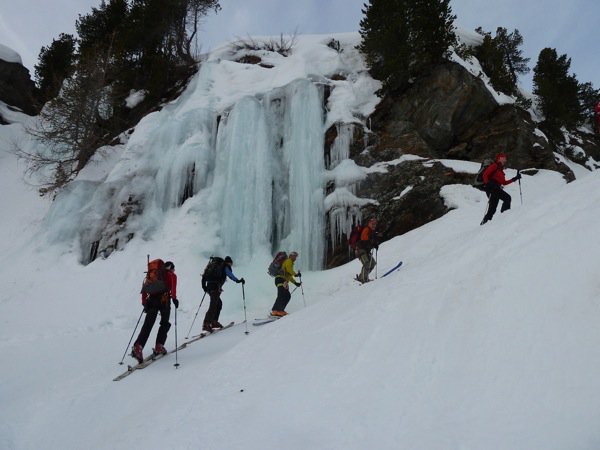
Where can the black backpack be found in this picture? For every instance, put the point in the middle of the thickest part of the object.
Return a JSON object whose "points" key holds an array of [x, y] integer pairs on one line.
{"points": [[478, 183], [214, 272]]}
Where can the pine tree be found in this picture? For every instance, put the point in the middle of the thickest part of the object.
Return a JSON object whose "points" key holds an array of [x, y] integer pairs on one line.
{"points": [[402, 39], [588, 98], [123, 45], [56, 62], [502, 60], [557, 91]]}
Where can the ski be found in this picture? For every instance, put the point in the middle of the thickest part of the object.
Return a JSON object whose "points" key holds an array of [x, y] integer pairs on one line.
{"points": [[393, 269], [150, 359], [145, 363], [203, 335], [396, 267], [259, 322]]}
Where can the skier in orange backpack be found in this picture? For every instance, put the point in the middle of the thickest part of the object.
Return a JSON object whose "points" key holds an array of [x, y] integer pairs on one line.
{"points": [[153, 304], [367, 242]]}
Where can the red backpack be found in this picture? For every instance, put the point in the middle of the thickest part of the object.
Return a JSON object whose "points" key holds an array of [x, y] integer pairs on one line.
{"points": [[155, 281], [274, 268], [355, 236]]}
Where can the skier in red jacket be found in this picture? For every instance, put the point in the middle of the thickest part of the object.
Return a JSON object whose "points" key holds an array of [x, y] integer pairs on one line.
{"points": [[493, 182], [154, 304], [597, 116]]}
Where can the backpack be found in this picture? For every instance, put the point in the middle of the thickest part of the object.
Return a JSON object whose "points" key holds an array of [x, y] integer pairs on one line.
{"points": [[274, 268], [355, 236], [155, 281], [478, 184], [214, 271]]}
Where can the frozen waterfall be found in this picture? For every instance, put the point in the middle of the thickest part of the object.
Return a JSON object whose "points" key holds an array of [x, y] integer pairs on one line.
{"points": [[269, 174], [239, 157]]}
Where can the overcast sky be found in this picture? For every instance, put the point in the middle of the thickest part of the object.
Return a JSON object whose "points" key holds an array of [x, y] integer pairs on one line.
{"points": [[570, 26]]}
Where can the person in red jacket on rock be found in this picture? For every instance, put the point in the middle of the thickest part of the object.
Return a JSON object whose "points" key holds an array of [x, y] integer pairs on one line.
{"points": [[493, 182], [153, 304], [597, 116]]}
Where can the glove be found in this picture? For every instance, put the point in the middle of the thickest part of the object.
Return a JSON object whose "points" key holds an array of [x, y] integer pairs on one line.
{"points": [[241, 280], [299, 284], [376, 247], [176, 303], [518, 177], [299, 274]]}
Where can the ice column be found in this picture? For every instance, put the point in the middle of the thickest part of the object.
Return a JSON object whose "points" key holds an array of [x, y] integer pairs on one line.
{"points": [[303, 155], [243, 180], [340, 149]]}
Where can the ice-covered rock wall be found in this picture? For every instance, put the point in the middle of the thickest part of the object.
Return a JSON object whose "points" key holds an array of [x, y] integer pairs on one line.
{"points": [[239, 155]]}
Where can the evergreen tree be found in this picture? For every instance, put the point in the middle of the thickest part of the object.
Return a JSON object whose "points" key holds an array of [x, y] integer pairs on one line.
{"points": [[502, 60], [588, 98], [56, 62], [509, 44], [123, 45], [402, 39], [103, 28], [557, 91]]}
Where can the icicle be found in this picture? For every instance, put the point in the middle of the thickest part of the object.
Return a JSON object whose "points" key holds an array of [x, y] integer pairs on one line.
{"points": [[243, 180], [340, 149], [303, 153]]}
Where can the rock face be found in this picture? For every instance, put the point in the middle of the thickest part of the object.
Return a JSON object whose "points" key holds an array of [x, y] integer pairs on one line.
{"points": [[447, 114], [16, 87]]}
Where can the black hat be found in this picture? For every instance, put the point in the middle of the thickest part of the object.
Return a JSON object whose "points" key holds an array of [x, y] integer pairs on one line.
{"points": [[169, 265], [228, 260]]}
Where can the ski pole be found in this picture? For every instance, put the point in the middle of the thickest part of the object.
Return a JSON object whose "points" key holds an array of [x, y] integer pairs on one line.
{"points": [[199, 306], [520, 191], [302, 290], [245, 316], [176, 345], [127, 348]]}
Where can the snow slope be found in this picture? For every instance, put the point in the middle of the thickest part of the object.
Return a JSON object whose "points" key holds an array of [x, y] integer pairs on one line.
{"points": [[486, 338]]}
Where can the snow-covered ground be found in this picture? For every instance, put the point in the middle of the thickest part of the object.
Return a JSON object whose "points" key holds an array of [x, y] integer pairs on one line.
{"points": [[487, 337]]}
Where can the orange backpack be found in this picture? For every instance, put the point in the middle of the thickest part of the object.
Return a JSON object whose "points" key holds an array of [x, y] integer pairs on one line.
{"points": [[155, 283]]}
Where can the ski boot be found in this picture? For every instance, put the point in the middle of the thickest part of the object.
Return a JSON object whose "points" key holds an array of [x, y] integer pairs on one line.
{"points": [[137, 353]]}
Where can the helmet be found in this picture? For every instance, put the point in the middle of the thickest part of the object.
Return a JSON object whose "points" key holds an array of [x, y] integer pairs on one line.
{"points": [[169, 265], [228, 260], [500, 155], [294, 254]]}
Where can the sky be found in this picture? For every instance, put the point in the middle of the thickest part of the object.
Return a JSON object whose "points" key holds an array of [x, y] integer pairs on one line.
{"points": [[486, 338], [569, 26]]}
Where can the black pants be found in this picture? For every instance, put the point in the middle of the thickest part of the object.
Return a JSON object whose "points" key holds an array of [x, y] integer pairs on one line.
{"points": [[495, 193], [154, 305], [214, 309], [283, 298]]}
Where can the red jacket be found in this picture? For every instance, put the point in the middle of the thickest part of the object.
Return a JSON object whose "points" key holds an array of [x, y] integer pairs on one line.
{"points": [[171, 281], [597, 108], [495, 172]]}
